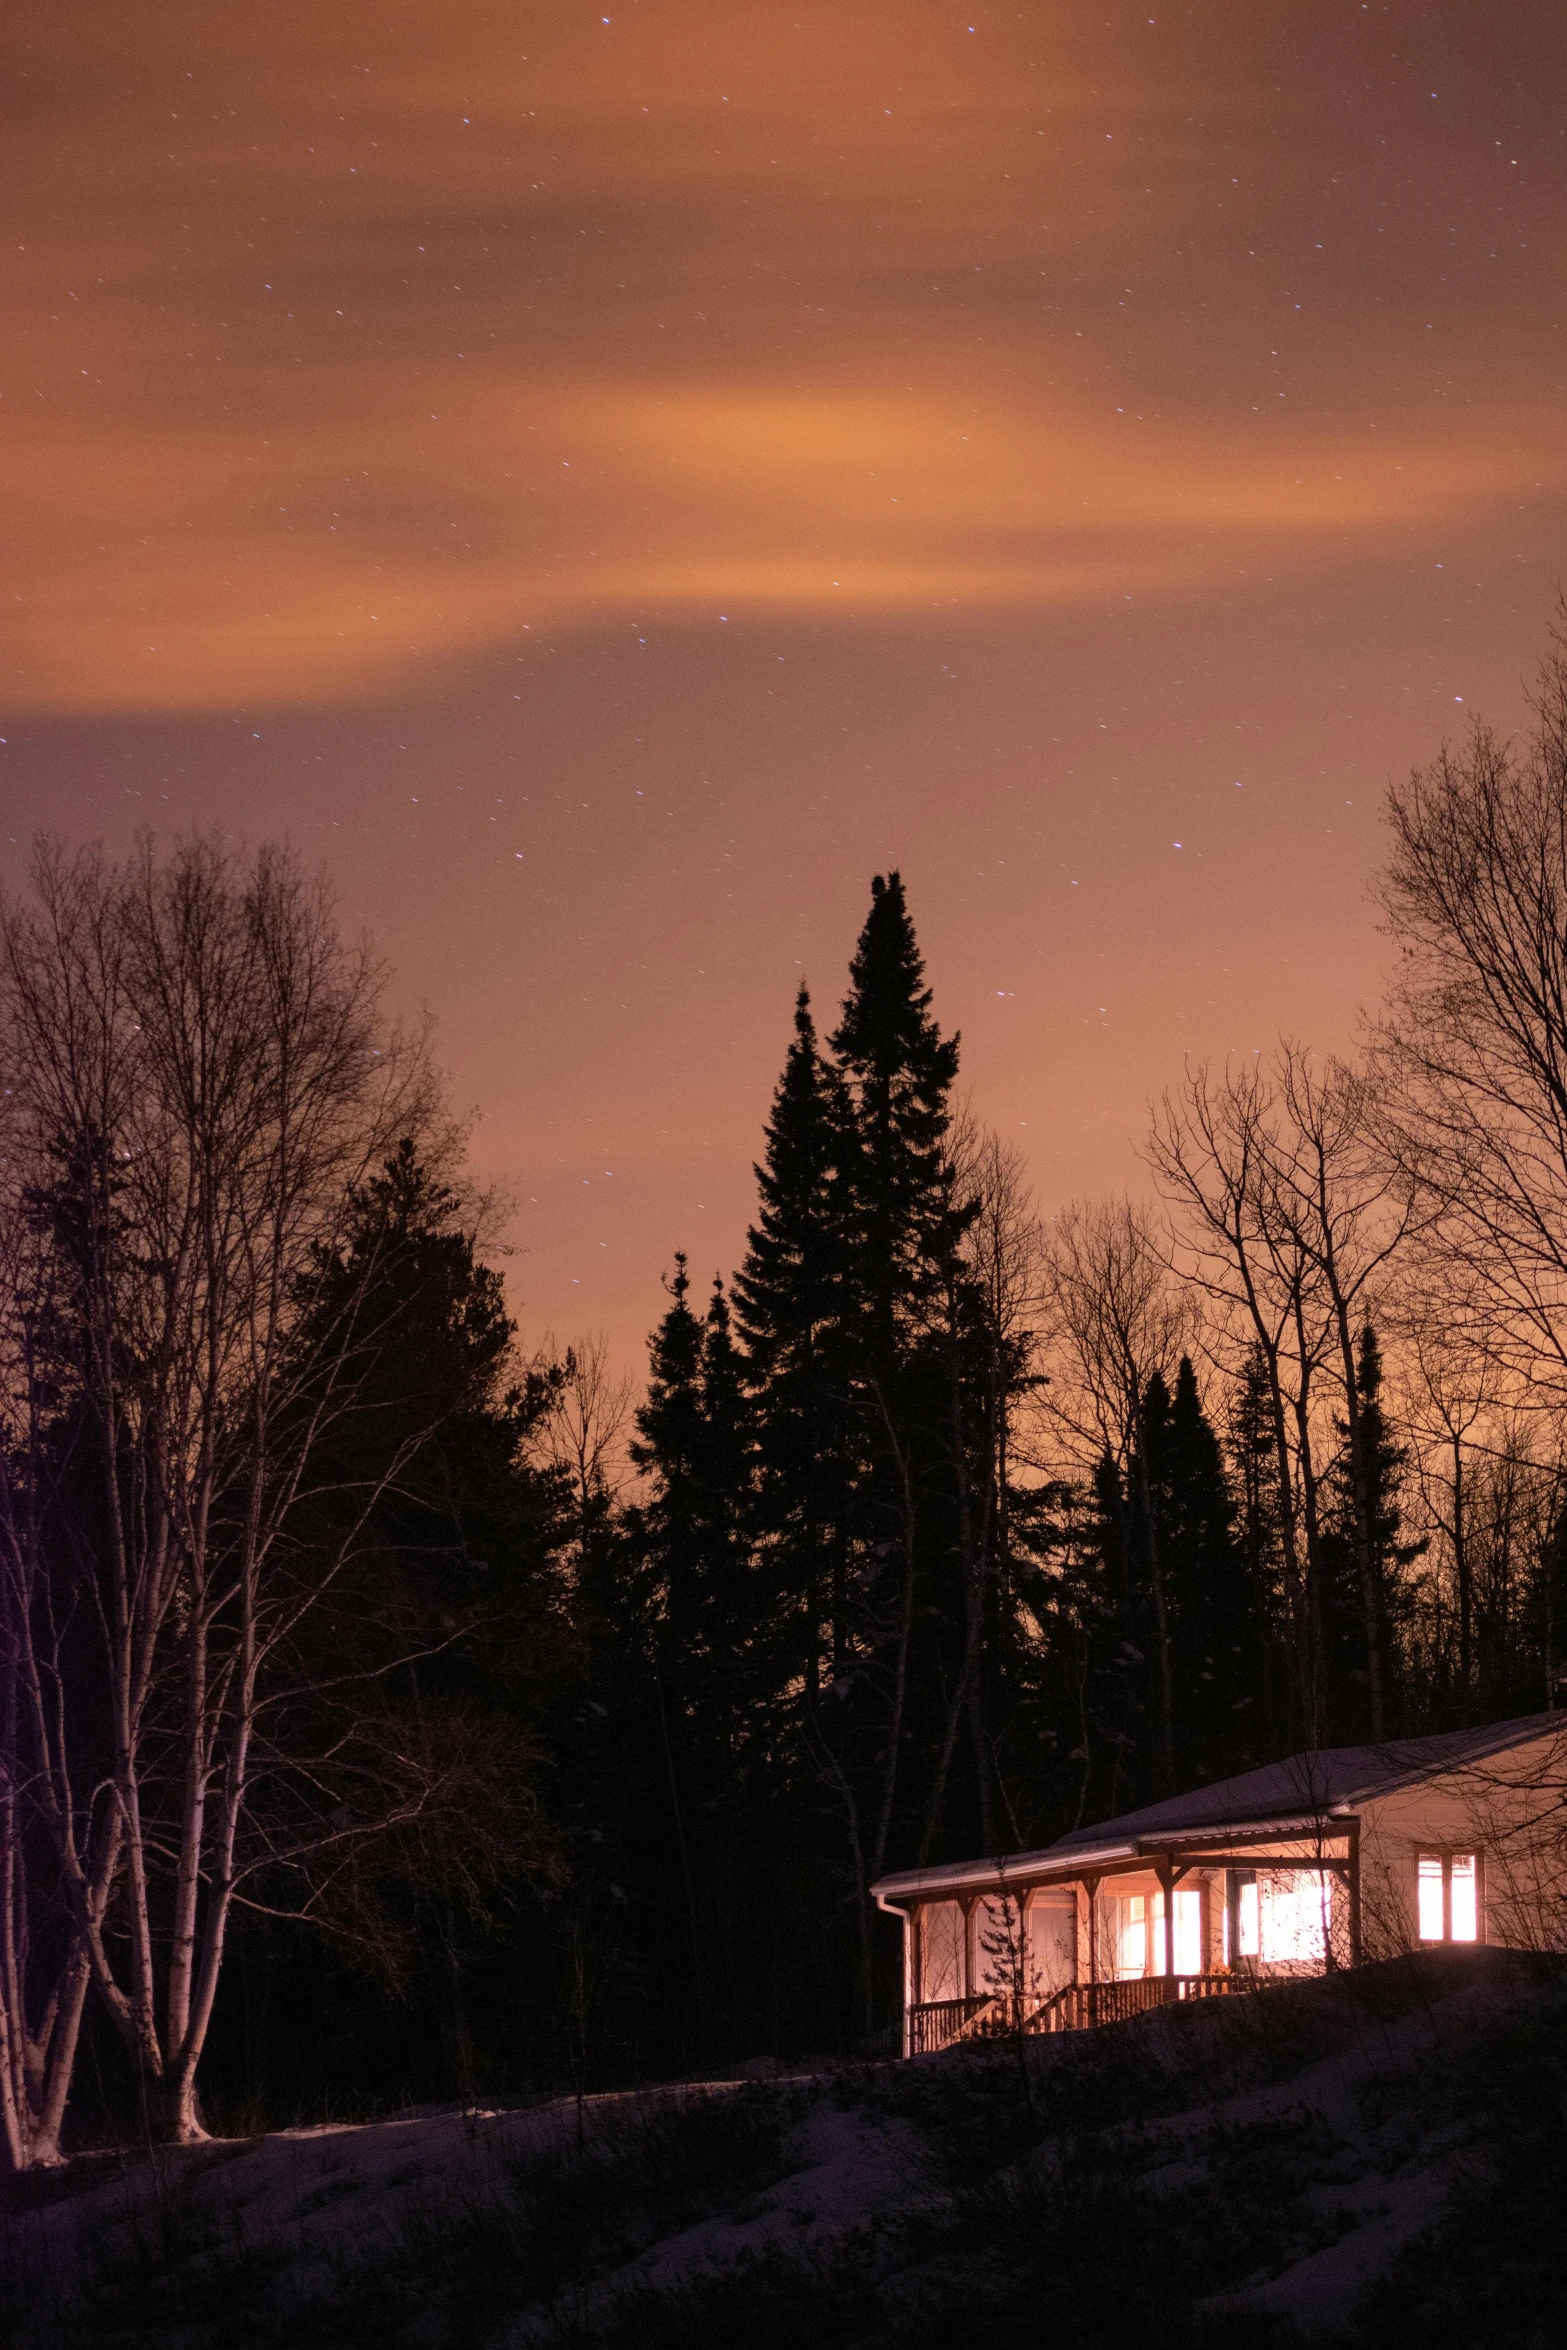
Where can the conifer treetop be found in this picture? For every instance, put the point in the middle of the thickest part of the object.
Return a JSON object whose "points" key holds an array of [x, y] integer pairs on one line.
{"points": [[886, 1028]]}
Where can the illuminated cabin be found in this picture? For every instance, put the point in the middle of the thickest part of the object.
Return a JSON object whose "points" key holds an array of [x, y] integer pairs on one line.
{"points": [[1318, 1862]]}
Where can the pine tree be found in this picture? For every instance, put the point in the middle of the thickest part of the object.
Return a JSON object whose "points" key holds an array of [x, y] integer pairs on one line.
{"points": [[1253, 1454], [670, 1448], [805, 1525], [708, 1703], [901, 1072], [1252, 1451], [902, 1232], [1150, 1573], [1217, 1628], [451, 1613], [1072, 1699], [790, 1296], [1384, 1462], [910, 1581], [1349, 1612], [732, 1635], [1111, 1606], [668, 1445], [466, 1527], [692, 1444]]}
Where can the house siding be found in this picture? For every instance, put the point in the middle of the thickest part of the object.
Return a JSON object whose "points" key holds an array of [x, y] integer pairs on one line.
{"points": [[1507, 1808]]}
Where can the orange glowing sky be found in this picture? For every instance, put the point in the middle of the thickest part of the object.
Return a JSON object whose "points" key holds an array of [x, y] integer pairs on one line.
{"points": [[608, 479]]}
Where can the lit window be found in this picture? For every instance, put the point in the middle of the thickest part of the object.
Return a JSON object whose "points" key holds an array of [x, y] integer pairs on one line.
{"points": [[1131, 1939], [1240, 1911], [1432, 1926], [1294, 1904], [1188, 1931], [1140, 1942], [1447, 1897], [1153, 1909], [941, 1950], [1052, 1943]]}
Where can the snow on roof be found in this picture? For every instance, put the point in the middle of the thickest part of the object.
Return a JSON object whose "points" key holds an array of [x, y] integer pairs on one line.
{"points": [[1332, 1779], [1294, 1793]]}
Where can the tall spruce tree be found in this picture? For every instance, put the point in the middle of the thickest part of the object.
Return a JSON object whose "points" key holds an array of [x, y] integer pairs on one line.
{"points": [[691, 1444], [452, 1615], [1345, 1603], [907, 1620], [1217, 1630], [1115, 1655], [733, 1639], [901, 1071], [1251, 1445], [790, 1298], [706, 1702], [901, 1234], [668, 1443]]}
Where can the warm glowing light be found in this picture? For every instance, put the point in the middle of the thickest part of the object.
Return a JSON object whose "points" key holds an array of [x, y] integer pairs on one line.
{"points": [[1131, 1934], [1447, 1898], [547, 469], [265, 467], [1432, 1923], [941, 1950], [1139, 1933], [1188, 1931], [1294, 1907]]}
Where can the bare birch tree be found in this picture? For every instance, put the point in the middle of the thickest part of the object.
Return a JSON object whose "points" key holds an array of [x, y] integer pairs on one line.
{"points": [[43, 1959], [1349, 1212], [1472, 1046], [1220, 1152], [1449, 1379], [583, 1434], [200, 1078], [990, 1309], [1116, 1317]]}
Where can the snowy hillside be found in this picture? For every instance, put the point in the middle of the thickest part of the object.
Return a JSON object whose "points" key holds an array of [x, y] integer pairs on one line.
{"points": [[1373, 2159]]}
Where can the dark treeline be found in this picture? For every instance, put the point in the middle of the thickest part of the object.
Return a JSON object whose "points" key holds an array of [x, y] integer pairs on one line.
{"points": [[387, 1714]]}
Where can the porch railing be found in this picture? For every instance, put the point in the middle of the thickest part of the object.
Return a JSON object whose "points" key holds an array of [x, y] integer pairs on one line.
{"points": [[1082, 2006], [941, 2021], [1078, 2007]]}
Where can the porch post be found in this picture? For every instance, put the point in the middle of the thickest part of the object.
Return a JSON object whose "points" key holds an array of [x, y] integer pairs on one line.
{"points": [[1091, 1889], [1354, 1893], [1165, 1870]]}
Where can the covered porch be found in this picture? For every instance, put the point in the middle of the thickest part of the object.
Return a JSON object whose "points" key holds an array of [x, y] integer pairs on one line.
{"points": [[1056, 1943]]}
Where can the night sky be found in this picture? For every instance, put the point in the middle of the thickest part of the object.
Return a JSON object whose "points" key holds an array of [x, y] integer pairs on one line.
{"points": [[607, 484]]}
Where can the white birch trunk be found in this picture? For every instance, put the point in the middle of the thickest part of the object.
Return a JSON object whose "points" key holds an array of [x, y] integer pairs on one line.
{"points": [[194, 1049]]}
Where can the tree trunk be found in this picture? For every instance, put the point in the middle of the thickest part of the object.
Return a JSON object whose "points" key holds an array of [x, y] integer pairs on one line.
{"points": [[1462, 1571]]}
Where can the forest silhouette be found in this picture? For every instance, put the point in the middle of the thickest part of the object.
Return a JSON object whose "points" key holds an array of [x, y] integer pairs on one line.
{"points": [[392, 1713]]}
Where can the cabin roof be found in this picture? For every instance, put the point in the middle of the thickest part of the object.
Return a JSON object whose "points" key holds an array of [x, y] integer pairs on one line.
{"points": [[1294, 1794]]}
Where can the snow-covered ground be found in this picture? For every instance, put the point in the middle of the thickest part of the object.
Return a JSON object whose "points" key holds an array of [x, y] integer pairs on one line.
{"points": [[1243, 2170]]}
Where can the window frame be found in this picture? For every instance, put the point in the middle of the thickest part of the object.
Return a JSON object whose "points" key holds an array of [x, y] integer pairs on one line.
{"points": [[1447, 1854]]}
